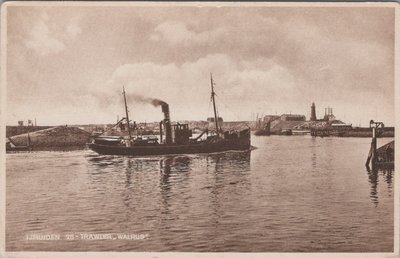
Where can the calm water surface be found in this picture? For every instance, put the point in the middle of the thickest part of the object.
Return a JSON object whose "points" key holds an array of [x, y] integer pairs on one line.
{"points": [[291, 194]]}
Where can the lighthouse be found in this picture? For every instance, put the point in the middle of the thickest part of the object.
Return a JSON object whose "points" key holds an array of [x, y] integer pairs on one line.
{"points": [[313, 115]]}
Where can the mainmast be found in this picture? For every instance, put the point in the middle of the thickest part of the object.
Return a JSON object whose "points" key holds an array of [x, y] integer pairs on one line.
{"points": [[215, 109], [127, 115]]}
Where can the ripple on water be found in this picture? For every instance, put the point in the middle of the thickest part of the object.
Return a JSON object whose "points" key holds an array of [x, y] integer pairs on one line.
{"points": [[289, 194]]}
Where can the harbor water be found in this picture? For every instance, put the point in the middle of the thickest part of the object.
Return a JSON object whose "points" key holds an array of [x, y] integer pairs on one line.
{"points": [[290, 194]]}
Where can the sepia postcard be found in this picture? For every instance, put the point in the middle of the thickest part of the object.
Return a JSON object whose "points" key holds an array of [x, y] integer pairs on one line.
{"points": [[197, 129]]}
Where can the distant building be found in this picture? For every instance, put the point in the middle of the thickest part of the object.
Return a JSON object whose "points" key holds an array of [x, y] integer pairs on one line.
{"points": [[329, 114], [331, 118], [270, 118], [211, 120], [290, 117], [20, 123]]}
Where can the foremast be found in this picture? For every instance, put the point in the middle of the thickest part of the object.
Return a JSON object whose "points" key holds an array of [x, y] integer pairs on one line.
{"points": [[215, 109], [127, 114]]}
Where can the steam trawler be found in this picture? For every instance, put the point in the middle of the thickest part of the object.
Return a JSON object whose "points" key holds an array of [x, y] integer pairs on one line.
{"points": [[173, 138]]}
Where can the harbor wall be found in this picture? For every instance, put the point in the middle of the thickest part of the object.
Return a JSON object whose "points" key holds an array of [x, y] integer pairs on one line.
{"points": [[367, 132]]}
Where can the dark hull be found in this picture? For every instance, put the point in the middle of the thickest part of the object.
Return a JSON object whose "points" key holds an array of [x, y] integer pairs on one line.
{"points": [[164, 149], [262, 132]]}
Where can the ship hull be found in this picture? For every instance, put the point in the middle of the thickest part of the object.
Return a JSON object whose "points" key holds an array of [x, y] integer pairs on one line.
{"points": [[168, 149]]}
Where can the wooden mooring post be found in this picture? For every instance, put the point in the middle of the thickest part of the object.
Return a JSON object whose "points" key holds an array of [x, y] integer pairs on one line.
{"points": [[372, 152]]}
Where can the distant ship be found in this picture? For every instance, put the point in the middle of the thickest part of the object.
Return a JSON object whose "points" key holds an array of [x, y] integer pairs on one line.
{"points": [[173, 138]]}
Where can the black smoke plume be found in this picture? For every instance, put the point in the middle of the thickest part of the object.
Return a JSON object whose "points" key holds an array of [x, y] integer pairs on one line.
{"points": [[137, 98]]}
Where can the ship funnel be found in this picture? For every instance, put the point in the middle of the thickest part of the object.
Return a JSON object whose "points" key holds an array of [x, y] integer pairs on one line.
{"points": [[166, 123]]}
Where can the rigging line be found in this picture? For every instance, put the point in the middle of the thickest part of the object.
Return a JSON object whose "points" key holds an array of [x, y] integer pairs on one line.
{"points": [[228, 109], [220, 124], [226, 106], [209, 105]]}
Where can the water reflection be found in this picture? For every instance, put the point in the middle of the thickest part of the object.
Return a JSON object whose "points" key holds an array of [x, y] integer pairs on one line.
{"points": [[224, 186], [174, 171], [203, 203], [165, 193], [314, 152], [128, 172], [238, 161], [181, 189], [373, 178]]}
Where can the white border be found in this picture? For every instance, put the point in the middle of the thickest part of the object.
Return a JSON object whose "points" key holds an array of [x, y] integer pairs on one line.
{"points": [[185, 254]]}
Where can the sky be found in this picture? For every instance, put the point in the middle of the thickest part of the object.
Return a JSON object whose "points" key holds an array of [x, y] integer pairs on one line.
{"points": [[68, 64]]}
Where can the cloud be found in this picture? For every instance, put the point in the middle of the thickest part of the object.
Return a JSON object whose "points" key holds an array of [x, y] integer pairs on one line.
{"points": [[41, 38], [48, 37], [177, 33], [264, 59], [73, 29], [186, 87]]}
